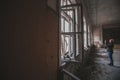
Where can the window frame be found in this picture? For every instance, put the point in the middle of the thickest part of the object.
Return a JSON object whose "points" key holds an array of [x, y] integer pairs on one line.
{"points": [[77, 21]]}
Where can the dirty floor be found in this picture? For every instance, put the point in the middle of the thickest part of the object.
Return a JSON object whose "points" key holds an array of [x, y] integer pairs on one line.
{"points": [[99, 68]]}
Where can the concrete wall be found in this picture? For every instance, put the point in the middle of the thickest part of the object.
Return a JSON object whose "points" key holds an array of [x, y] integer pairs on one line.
{"points": [[29, 41], [97, 35]]}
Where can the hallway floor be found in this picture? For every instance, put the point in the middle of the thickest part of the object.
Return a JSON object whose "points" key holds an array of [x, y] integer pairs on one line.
{"points": [[100, 70]]}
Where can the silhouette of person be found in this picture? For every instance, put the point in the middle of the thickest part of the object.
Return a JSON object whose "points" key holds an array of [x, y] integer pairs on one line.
{"points": [[110, 47]]}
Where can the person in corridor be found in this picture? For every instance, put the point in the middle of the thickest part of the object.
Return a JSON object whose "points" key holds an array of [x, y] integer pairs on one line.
{"points": [[110, 47]]}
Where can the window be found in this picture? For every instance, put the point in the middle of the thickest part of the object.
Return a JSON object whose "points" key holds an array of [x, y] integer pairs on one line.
{"points": [[89, 36], [69, 30], [85, 32]]}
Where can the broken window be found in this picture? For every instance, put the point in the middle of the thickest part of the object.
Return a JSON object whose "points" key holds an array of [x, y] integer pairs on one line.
{"points": [[69, 30]]}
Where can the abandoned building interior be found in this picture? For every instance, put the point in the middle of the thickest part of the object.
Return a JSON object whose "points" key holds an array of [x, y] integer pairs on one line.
{"points": [[52, 39]]}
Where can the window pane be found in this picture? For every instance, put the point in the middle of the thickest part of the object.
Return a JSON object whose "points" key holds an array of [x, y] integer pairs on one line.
{"points": [[66, 47], [85, 33], [67, 29], [77, 44], [62, 24]]}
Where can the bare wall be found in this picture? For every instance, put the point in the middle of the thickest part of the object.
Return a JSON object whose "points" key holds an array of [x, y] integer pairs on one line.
{"points": [[29, 41]]}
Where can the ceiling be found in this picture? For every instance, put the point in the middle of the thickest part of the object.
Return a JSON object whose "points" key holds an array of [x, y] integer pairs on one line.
{"points": [[104, 12]]}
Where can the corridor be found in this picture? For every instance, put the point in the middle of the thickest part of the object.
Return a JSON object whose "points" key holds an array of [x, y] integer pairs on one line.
{"points": [[100, 70], [54, 39]]}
